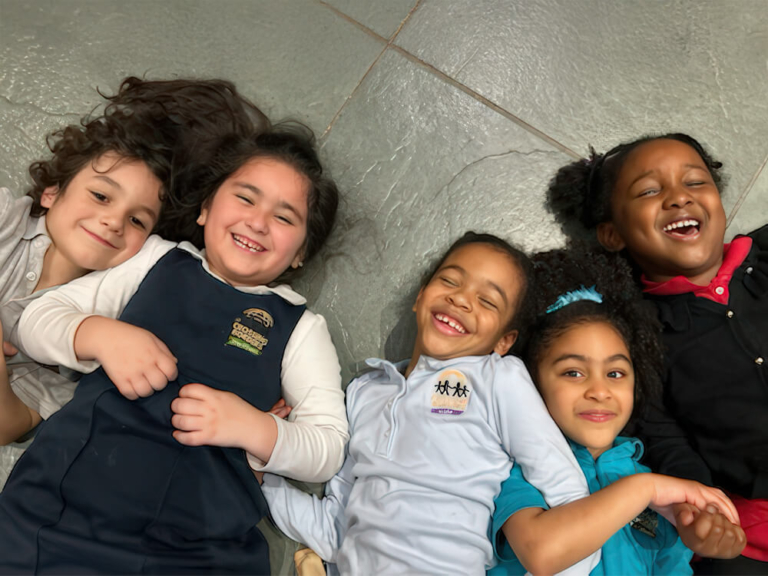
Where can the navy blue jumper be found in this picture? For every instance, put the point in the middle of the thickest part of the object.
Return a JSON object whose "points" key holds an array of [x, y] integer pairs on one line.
{"points": [[105, 488]]}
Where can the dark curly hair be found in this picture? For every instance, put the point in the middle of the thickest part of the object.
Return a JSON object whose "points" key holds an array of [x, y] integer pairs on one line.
{"points": [[579, 194], [524, 307], [205, 170], [154, 122], [560, 271]]}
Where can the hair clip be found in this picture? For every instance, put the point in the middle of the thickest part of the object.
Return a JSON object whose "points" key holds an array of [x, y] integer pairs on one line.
{"points": [[575, 296]]}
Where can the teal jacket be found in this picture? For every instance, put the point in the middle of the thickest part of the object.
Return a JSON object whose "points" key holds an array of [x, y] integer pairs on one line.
{"points": [[656, 549]]}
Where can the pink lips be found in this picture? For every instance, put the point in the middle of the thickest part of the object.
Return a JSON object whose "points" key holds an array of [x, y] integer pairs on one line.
{"points": [[99, 239], [597, 415], [445, 328]]}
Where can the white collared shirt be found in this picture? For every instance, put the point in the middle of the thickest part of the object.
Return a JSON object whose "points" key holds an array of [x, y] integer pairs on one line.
{"points": [[310, 444], [426, 458]]}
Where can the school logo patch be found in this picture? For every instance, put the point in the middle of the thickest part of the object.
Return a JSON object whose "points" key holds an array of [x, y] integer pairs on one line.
{"points": [[249, 332], [646, 523], [451, 392]]}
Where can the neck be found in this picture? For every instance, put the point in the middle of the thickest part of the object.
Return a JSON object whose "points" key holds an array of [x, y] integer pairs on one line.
{"points": [[57, 270], [698, 278]]}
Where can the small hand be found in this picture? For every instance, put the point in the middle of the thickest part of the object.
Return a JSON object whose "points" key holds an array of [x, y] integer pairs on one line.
{"points": [[137, 361], [708, 533], [206, 416], [281, 409], [669, 491]]}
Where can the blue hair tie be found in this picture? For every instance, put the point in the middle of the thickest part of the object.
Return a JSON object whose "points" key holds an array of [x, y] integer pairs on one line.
{"points": [[575, 296]]}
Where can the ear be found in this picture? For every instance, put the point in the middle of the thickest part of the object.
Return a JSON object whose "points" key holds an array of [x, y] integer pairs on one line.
{"points": [[203, 216], [505, 342], [609, 237], [298, 261], [49, 196], [416, 303]]}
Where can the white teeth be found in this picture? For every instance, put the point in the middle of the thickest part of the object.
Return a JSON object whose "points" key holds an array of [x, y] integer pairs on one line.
{"points": [[680, 224], [240, 241], [455, 325]]}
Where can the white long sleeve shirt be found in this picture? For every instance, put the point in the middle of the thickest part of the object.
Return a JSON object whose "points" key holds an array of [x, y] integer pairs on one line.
{"points": [[426, 458], [310, 445]]}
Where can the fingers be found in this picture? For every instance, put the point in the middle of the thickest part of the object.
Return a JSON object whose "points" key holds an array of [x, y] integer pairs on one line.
{"points": [[198, 391], [725, 506], [685, 514], [189, 438], [283, 412], [188, 406], [9, 349], [187, 423]]}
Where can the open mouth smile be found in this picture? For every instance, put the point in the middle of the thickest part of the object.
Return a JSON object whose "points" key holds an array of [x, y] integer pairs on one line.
{"points": [[447, 324], [247, 244], [687, 228]]}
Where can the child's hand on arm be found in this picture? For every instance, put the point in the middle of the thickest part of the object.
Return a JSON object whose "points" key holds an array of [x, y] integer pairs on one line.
{"points": [[708, 533], [16, 418], [206, 416], [137, 361], [9, 349]]}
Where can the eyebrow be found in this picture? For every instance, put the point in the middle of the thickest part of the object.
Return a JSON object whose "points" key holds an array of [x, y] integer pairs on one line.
{"points": [[493, 285], [115, 184], [582, 358], [280, 204], [649, 172]]}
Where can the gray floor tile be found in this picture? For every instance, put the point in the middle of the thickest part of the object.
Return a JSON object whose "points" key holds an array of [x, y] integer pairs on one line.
{"points": [[420, 162], [294, 58], [602, 71], [753, 212], [382, 17]]}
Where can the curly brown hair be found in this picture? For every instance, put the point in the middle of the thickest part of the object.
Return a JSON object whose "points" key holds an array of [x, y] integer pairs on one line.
{"points": [[147, 121]]}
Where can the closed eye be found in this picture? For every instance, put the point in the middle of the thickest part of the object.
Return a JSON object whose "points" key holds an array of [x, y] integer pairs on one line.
{"points": [[448, 281], [488, 303], [99, 196], [245, 199], [138, 223], [285, 220], [649, 192]]}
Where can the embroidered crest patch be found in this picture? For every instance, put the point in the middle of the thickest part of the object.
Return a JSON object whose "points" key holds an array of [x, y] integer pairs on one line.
{"points": [[249, 332], [646, 522], [451, 392]]}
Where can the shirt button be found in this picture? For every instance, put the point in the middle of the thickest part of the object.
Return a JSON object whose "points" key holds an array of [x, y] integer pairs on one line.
{"points": [[389, 404], [749, 270], [38, 242], [31, 276], [729, 313], [386, 434], [759, 361], [719, 290]]}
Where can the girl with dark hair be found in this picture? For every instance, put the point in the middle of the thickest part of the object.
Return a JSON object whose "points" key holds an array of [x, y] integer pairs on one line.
{"points": [[433, 437], [657, 200], [92, 206], [595, 357], [150, 467]]}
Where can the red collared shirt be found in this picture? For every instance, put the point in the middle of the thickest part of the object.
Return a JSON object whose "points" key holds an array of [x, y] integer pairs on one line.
{"points": [[717, 290]]}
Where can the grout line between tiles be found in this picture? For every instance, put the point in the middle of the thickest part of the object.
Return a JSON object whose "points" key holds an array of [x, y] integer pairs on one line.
{"points": [[370, 32], [743, 196], [492, 105]]}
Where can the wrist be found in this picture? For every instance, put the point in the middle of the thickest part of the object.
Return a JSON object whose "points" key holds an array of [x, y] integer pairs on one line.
{"points": [[90, 334]]}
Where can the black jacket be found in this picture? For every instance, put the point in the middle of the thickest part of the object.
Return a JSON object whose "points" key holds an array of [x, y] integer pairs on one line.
{"points": [[713, 426]]}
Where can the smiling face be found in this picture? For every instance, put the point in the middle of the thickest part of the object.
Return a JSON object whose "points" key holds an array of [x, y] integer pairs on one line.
{"points": [[587, 382], [256, 223], [104, 215], [467, 306], [667, 212]]}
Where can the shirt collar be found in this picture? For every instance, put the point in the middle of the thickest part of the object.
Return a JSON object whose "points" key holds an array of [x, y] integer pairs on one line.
{"points": [[734, 255], [282, 290], [623, 447], [35, 227]]}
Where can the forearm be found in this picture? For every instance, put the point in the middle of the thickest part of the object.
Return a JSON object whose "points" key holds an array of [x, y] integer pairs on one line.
{"points": [[259, 435], [549, 541], [90, 335]]}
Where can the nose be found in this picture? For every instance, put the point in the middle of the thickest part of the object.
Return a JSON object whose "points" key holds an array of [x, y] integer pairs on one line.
{"points": [[677, 197], [460, 299], [114, 221], [257, 220], [598, 389]]}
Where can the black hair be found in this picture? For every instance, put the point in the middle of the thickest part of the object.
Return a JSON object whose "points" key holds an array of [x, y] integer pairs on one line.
{"points": [[206, 170], [560, 271], [154, 122], [524, 305], [579, 195]]}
